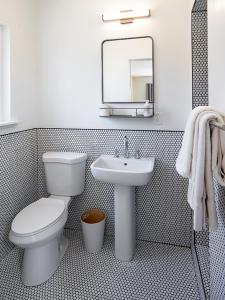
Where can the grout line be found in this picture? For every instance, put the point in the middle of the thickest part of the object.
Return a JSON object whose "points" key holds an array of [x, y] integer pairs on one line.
{"points": [[197, 269], [139, 240], [163, 243], [199, 11], [37, 167]]}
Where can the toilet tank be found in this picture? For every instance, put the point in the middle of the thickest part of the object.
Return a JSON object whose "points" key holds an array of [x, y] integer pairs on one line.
{"points": [[65, 172]]}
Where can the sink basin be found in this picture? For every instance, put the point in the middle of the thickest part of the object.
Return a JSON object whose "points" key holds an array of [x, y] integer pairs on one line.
{"points": [[125, 174], [123, 171]]}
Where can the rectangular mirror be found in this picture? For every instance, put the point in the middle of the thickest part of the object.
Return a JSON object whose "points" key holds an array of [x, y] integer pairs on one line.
{"points": [[128, 70]]}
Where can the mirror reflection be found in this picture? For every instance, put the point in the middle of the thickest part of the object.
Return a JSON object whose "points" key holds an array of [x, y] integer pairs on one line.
{"points": [[127, 70], [141, 79]]}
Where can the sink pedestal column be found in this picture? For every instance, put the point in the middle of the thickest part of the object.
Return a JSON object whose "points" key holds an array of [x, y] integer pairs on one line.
{"points": [[125, 222]]}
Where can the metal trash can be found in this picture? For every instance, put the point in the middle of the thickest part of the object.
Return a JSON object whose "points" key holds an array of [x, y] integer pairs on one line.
{"points": [[93, 227]]}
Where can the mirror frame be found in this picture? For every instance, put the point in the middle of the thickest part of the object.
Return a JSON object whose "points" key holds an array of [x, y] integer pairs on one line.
{"points": [[153, 67]]}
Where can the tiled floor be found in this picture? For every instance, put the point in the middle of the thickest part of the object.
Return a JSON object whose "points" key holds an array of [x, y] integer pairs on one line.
{"points": [[203, 260], [157, 272]]}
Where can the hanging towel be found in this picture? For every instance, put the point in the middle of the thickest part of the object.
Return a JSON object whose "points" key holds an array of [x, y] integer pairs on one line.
{"points": [[195, 163], [218, 155], [184, 160]]}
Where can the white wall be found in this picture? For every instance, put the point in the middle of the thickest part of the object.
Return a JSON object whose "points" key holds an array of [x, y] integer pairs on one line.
{"points": [[67, 51], [21, 18], [70, 36], [216, 17]]}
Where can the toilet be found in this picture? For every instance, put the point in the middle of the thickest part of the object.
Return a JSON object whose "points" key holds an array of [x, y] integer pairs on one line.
{"points": [[38, 228]]}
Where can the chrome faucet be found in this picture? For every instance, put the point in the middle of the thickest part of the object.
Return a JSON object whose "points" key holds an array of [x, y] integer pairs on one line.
{"points": [[126, 147]]}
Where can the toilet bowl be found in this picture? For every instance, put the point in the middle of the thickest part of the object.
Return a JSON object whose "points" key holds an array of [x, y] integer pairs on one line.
{"points": [[38, 228]]}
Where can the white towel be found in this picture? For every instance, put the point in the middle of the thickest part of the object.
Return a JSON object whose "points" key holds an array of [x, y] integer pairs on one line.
{"points": [[184, 160], [194, 162], [218, 155]]}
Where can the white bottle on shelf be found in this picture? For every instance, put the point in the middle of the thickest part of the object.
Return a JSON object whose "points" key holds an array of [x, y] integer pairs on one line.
{"points": [[147, 109]]}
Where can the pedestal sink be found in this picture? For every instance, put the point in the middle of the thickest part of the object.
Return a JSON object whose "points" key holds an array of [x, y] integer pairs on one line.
{"points": [[125, 174]]}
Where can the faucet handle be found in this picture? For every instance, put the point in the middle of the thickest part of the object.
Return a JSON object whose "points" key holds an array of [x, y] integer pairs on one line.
{"points": [[116, 153], [137, 154]]}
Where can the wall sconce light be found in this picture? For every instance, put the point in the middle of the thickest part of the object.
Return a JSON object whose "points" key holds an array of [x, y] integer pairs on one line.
{"points": [[126, 16]]}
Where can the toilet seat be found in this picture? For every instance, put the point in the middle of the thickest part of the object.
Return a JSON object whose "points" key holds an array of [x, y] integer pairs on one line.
{"points": [[38, 216]]}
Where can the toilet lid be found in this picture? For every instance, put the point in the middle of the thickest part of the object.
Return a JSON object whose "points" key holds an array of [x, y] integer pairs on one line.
{"points": [[38, 215]]}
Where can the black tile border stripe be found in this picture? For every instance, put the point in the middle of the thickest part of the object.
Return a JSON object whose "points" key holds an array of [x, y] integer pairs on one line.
{"points": [[92, 129]]}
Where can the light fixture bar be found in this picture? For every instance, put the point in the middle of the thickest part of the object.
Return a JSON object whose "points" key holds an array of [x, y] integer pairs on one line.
{"points": [[126, 16]]}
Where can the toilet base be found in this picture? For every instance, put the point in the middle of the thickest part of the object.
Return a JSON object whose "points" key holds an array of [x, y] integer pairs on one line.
{"points": [[40, 263]]}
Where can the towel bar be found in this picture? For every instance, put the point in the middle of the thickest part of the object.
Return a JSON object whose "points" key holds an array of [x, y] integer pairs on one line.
{"points": [[218, 125]]}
